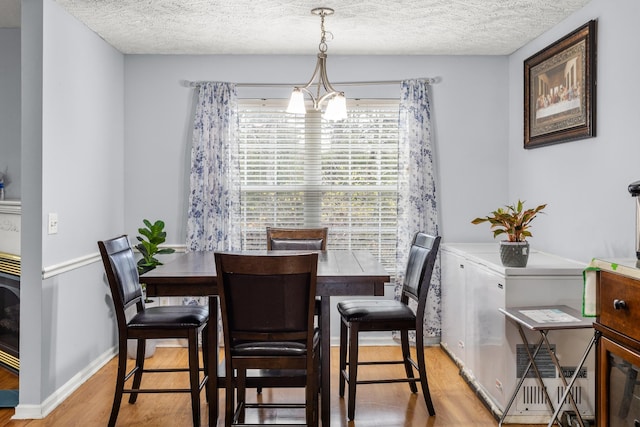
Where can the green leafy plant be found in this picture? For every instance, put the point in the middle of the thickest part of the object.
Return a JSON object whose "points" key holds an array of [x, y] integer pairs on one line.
{"points": [[153, 235], [512, 220]]}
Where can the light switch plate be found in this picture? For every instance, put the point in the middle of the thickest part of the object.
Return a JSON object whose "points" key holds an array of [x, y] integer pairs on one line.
{"points": [[53, 223]]}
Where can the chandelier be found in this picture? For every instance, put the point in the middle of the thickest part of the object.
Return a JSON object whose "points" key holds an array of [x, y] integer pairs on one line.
{"points": [[336, 108]]}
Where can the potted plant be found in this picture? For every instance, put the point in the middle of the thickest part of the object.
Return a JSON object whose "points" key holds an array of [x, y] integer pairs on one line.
{"points": [[149, 248], [152, 236], [514, 221]]}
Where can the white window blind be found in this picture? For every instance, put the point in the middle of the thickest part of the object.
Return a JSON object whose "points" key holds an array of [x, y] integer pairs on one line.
{"points": [[302, 171]]}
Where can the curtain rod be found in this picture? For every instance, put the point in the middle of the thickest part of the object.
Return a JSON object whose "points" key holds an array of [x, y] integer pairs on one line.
{"points": [[429, 80]]}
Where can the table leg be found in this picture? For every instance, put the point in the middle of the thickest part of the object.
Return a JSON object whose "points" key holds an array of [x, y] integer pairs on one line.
{"points": [[212, 362], [325, 355]]}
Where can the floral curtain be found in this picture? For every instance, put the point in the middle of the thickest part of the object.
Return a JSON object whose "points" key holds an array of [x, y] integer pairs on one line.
{"points": [[417, 203], [214, 198]]}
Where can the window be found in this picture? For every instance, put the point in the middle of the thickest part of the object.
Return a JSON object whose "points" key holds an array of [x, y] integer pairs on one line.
{"points": [[306, 172]]}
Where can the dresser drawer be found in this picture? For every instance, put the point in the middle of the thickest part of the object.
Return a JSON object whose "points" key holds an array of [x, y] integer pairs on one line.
{"points": [[619, 303]]}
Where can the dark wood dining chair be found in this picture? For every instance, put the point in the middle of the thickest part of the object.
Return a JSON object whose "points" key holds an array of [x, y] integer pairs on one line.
{"points": [[279, 238], [267, 304], [135, 321], [283, 238], [391, 315]]}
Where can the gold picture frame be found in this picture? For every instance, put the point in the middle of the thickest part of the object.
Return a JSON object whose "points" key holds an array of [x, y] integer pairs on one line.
{"points": [[559, 90]]}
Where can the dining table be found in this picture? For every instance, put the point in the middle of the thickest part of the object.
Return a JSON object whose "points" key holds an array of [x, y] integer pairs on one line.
{"points": [[340, 273]]}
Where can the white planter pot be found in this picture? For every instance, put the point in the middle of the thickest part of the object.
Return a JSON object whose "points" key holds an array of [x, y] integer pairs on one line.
{"points": [[150, 345], [132, 348]]}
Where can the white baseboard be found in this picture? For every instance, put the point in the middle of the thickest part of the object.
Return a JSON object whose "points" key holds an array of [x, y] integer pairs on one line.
{"points": [[36, 412]]}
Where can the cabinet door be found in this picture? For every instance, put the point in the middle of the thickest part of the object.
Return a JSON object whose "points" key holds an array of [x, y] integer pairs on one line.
{"points": [[619, 385], [485, 337], [453, 305]]}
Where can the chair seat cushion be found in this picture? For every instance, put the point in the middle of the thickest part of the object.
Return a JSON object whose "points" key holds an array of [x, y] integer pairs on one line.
{"points": [[274, 348], [378, 310], [170, 317]]}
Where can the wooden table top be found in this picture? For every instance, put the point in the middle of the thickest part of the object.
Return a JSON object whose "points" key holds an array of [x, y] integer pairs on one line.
{"points": [[339, 273]]}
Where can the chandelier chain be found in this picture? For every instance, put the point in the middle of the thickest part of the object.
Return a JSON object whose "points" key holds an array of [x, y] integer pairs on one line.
{"points": [[323, 34]]}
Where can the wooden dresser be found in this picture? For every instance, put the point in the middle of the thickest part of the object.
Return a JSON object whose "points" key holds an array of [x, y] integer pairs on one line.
{"points": [[618, 354]]}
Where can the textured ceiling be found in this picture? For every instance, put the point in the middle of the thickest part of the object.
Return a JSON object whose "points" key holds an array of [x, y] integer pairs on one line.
{"points": [[389, 27]]}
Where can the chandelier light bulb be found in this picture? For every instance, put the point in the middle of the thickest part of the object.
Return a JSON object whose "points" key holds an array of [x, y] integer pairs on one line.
{"points": [[296, 103], [336, 108]]}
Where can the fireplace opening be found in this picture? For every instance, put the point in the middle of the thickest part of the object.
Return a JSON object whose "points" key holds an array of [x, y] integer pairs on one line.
{"points": [[10, 322], [10, 271]]}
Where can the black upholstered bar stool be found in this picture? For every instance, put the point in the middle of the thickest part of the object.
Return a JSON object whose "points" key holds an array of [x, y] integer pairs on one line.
{"points": [[391, 315], [185, 322]]}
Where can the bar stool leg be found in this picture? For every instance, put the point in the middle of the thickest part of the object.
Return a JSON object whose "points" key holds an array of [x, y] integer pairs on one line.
{"points": [[343, 357], [353, 370]]}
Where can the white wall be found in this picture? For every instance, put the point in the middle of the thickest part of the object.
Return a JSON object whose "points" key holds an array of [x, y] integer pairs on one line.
{"points": [[10, 110], [469, 111], [590, 212], [72, 163]]}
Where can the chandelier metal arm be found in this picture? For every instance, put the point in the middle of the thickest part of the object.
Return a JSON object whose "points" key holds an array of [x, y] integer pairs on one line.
{"points": [[320, 73], [336, 106], [322, 59]]}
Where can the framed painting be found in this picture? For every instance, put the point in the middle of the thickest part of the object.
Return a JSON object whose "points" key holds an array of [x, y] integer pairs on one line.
{"points": [[559, 90]]}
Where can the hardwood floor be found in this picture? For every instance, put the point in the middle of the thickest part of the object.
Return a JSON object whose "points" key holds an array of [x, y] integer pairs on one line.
{"points": [[378, 405]]}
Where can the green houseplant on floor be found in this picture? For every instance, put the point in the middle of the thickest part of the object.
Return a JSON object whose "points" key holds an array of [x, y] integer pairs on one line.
{"points": [[514, 221]]}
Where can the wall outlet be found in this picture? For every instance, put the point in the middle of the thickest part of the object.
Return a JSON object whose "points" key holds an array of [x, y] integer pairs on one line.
{"points": [[53, 223]]}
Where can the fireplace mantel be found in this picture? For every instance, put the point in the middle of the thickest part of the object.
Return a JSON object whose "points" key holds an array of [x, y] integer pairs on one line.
{"points": [[10, 225]]}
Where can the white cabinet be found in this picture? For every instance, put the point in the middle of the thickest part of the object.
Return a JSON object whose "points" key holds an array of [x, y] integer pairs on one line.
{"points": [[485, 328], [453, 306], [483, 343]]}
